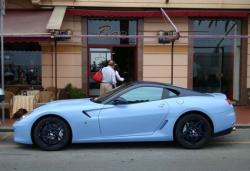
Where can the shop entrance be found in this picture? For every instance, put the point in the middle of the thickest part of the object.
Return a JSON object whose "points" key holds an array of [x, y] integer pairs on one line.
{"points": [[125, 57], [103, 48]]}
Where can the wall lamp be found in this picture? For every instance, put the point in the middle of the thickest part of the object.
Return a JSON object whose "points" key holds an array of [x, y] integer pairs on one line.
{"points": [[165, 36], [61, 34]]}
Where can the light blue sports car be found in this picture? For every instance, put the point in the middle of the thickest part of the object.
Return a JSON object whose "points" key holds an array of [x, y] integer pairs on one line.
{"points": [[138, 111]]}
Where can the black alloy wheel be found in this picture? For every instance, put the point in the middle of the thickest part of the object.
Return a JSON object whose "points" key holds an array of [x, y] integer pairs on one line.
{"points": [[192, 131], [51, 133]]}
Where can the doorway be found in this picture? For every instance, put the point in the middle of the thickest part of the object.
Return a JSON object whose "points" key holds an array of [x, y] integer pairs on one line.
{"points": [[125, 57]]}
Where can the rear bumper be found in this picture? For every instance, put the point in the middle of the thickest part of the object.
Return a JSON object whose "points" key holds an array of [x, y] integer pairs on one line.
{"points": [[224, 132], [224, 121]]}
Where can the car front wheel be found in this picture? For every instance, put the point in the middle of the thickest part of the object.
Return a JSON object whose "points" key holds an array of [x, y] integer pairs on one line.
{"points": [[51, 133], [192, 131]]}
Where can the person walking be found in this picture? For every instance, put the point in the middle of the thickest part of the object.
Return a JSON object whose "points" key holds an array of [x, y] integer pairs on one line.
{"points": [[117, 75], [108, 78]]}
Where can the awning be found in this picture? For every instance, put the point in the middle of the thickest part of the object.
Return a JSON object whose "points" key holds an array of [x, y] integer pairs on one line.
{"points": [[56, 18], [171, 13], [32, 23]]}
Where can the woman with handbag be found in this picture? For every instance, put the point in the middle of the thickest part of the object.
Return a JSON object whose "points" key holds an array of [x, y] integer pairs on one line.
{"points": [[108, 78]]}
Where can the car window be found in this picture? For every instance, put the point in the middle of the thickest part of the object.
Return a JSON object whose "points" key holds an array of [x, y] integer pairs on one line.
{"points": [[107, 95], [171, 93], [143, 94]]}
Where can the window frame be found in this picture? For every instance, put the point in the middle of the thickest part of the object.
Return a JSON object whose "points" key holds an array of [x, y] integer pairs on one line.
{"points": [[141, 101], [131, 87]]}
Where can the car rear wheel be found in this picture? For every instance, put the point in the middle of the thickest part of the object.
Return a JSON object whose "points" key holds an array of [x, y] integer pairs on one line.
{"points": [[192, 131], [51, 133]]}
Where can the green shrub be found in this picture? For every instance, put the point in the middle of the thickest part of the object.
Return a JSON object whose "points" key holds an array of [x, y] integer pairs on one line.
{"points": [[73, 92]]}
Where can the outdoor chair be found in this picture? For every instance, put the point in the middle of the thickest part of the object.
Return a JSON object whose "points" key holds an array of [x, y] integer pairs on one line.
{"points": [[53, 89], [46, 96], [8, 99]]}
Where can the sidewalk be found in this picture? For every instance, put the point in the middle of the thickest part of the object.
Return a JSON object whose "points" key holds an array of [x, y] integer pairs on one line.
{"points": [[242, 115], [242, 119]]}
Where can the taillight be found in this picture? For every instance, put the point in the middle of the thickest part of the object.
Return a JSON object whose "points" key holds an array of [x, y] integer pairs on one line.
{"points": [[229, 101]]}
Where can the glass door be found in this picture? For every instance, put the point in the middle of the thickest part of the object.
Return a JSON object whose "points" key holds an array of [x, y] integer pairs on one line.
{"points": [[208, 69], [98, 58], [216, 64]]}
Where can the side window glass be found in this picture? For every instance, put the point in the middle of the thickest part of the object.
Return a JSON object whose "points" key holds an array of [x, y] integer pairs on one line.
{"points": [[143, 94], [171, 93]]}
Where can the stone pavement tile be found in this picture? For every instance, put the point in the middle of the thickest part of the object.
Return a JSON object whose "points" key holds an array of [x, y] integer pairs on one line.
{"points": [[242, 114], [5, 135]]}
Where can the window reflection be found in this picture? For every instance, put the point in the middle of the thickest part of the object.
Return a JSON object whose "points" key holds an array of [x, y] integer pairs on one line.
{"points": [[98, 59], [216, 65], [143, 94], [110, 27], [22, 67]]}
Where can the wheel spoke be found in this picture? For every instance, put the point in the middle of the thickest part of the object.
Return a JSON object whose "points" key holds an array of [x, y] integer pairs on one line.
{"points": [[51, 133], [199, 124], [193, 131]]}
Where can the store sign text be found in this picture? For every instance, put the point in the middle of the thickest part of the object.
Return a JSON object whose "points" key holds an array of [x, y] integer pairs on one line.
{"points": [[106, 30]]}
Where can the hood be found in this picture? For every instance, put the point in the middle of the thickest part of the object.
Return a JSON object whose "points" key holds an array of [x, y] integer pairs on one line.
{"points": [[86, 104]]}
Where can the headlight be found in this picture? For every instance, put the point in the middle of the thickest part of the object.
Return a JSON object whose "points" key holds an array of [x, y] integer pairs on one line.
{"points": [[24, 116]]}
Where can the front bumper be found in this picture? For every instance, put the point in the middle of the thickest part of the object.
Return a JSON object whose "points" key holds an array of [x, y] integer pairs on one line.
{"points": [[22, 133]]}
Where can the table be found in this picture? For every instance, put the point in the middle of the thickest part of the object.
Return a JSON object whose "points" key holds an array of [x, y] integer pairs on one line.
{"points": [[22, 102], [31, 93]]}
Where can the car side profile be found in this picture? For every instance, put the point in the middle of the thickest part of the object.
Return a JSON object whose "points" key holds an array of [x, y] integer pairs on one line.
{"points": [[134, 112]]}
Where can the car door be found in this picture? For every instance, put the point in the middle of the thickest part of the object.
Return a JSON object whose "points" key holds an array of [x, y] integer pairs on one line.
{"points": [[142, 112]]}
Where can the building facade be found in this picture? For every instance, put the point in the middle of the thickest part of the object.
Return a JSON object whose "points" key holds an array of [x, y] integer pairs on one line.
{"points": [[212, 54]]}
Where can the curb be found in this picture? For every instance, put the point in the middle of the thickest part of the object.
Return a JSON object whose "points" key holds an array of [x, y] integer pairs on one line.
{"points": [[238, 126], [6, 129], [242, 126]]}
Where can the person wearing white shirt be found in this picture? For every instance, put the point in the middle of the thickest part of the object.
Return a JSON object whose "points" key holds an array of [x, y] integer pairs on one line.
{"points": [[108, 78]]}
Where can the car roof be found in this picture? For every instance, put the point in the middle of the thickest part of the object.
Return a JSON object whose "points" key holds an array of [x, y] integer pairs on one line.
{"points": [[182, 91], [150, 82]]}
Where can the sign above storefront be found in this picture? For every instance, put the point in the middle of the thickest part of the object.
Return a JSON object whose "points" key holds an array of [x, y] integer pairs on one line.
{"points": [[104, 28]]}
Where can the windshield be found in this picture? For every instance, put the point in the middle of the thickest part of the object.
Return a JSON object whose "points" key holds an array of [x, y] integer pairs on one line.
{"points": [[107, 95]]}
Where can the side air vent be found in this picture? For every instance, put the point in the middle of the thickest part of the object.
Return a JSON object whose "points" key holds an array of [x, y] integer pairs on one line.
{"points": [[163, 124], [85, 113]]}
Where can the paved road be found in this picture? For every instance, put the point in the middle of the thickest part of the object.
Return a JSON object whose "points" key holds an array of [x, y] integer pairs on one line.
{"points": [[228, 153]]}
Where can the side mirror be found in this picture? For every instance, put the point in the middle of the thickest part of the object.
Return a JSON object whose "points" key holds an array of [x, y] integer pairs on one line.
{"points": [[119, 100]]}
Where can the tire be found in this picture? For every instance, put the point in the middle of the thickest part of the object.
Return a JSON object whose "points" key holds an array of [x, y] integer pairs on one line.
{"points": [[192, 131], [51, 133]]}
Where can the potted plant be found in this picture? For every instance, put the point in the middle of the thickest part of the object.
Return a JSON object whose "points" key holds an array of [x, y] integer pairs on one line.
{"points": [[72, 92]]}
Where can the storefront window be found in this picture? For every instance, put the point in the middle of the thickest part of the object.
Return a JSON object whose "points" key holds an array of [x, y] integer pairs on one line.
{"points": [[111, 28], [22, 66], [98, 60], [216, 65]]}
